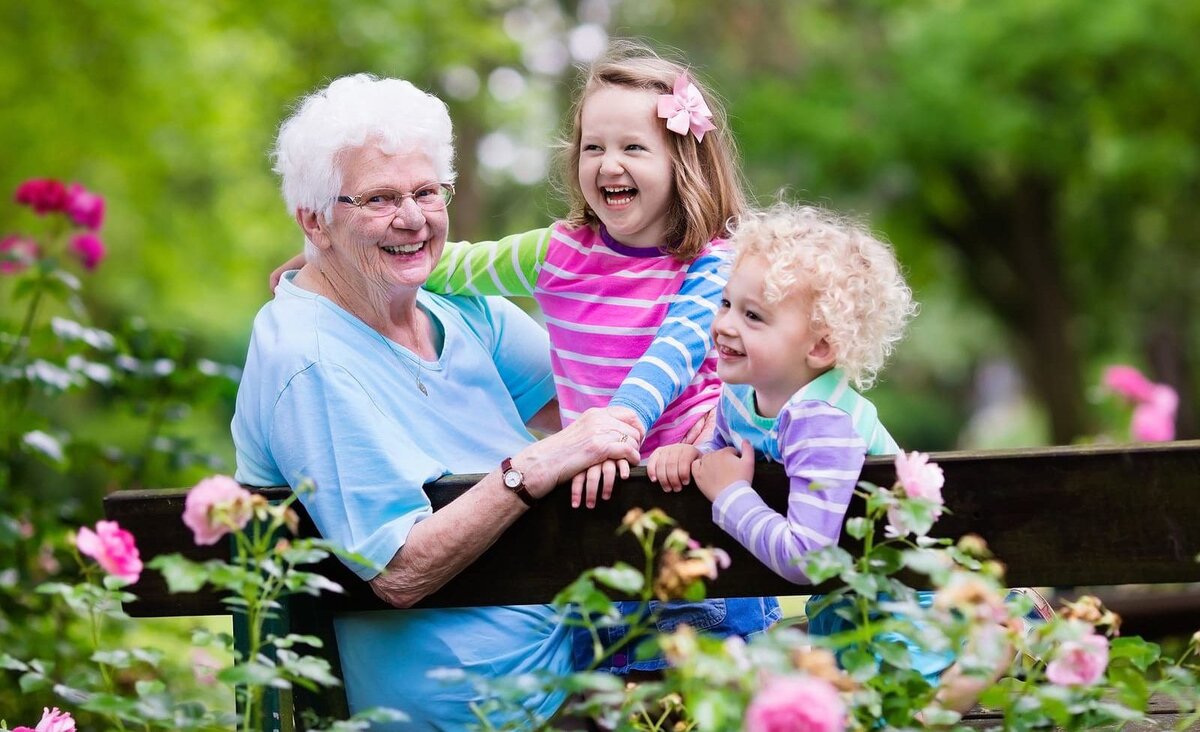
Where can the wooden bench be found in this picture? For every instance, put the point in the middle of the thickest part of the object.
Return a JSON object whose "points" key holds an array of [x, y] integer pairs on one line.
{"points": [[1059, 517]]}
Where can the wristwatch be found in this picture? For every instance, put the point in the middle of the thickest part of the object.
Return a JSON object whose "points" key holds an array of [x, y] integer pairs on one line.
{"points": [[514, 480]]}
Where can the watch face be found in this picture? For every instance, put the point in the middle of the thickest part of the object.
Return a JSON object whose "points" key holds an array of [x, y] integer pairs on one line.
{"points": [[512, 479]]}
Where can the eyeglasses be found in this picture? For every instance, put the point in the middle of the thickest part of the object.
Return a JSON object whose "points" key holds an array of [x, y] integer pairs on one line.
{"points": [[387, 201]]}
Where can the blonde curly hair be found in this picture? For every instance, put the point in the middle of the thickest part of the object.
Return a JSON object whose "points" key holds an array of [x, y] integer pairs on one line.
{"points": [[859, 297]]}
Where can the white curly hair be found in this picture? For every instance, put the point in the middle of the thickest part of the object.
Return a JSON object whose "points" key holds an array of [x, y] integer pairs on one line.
{"points": [[859, 297], [350, 112]]}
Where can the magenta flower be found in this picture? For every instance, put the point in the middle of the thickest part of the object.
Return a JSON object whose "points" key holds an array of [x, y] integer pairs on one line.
{"points": [[1154, 419], [216, 506], [113, 549], [796, 704], [1079, 663], [17, 253], [43, 195], [84, 207], [88, 248], [1128, 382]]}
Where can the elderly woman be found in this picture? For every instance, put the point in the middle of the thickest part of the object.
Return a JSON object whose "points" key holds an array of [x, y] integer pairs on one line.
{"points": [[371, 387]]}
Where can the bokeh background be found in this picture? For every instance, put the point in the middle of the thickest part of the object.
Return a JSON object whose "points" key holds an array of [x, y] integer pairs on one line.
{"points": [[1035, 163]]}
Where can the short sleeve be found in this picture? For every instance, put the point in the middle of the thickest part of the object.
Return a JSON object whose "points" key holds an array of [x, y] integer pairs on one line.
{"points": [[369, 475]]}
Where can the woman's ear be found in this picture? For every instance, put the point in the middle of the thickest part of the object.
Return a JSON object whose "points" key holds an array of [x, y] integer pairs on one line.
{"points": [[315, 228], [822, 355]]}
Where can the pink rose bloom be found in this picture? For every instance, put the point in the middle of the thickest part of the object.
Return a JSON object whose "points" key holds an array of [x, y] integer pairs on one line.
{"points": [[84, 207], [113, 549], [55, 721], [215, 507], [796, 704], [1079, 663], [88, 248], [17, 253], [1128, 382], [920, 478], [43, 195], [1154, 419]]}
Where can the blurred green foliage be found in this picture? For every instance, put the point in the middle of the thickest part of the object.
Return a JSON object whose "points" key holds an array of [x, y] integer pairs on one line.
{"points": [[1033, 161]]}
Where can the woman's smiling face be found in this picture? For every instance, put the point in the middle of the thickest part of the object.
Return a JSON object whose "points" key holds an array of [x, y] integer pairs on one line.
{"points": [[388, 251], [626, 170]]}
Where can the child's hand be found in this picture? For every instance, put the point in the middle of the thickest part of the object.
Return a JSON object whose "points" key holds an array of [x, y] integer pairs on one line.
{"points": [[718, 470], [671, 466], [702, 431], [588, 482], [295, 262]]}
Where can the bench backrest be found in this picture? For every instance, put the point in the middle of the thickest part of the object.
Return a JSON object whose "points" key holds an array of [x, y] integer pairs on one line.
{"points": [[1056, 517]]}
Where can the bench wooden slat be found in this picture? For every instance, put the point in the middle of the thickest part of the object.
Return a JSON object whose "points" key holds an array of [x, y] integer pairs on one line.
{"points": [[1056, 516]]}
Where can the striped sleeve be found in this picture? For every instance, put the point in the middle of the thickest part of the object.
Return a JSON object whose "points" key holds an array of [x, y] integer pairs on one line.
{"points": [[823, 456], [680, 345], [505, 267]]}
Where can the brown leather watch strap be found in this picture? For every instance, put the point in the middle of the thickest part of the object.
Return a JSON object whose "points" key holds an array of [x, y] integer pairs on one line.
{"points": [[507, 469]]}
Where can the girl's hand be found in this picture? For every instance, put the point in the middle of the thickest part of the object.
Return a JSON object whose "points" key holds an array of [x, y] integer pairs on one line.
{"points": [[718, 470], [295, 262], [587, 483], [702, 431], [671, 466]]}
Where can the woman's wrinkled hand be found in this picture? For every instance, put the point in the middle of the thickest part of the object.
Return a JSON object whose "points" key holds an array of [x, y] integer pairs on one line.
{"points": [[597, 436], [718, 470]]}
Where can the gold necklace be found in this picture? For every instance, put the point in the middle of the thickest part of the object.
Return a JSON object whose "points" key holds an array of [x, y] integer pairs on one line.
{"points": [[387, 343]]}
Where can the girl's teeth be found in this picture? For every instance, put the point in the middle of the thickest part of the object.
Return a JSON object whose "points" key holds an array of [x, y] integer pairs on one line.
{"points": [[618, 196]]}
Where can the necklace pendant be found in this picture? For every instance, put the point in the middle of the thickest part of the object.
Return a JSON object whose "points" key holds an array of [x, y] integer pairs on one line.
{"points": [[421, 386]]}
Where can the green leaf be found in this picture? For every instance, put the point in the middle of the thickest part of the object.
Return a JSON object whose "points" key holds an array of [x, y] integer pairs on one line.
{"points": [[827, 563], [621, 577], [894, 652], [307, 667], [117, 658], [181, 574], [857, 527], [1140, 653], [12, 664]]}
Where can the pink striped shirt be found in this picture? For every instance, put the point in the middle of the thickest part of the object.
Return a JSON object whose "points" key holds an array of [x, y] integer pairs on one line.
{"points": [[603, 303]]}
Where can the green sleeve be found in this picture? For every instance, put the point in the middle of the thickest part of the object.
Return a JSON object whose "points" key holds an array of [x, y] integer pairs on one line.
{"points": [[505, 267]]}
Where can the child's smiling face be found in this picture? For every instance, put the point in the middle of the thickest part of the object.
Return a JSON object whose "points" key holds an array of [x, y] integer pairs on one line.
{"points": [[625, 165], [771, 346]]}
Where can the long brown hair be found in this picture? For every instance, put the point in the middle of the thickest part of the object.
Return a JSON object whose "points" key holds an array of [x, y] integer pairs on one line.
{"points": [[708, 181]]}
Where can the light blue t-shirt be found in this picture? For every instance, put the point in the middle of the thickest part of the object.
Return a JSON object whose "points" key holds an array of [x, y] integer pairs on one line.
{"points": [[325, 397]]}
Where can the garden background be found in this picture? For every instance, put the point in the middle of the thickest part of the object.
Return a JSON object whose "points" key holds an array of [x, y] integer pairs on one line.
{"points": [[1033, 161]]}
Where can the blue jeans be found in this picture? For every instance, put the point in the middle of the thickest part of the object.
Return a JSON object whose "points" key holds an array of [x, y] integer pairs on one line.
{"points": [[722, 617], [929, 664]]}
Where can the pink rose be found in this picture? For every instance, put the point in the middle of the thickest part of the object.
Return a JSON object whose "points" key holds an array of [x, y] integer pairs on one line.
{"points": [[1154, 419], [88, 248], [113, 549], [84, 207], [216, 506], [919, 477], [55, 721], [1079, 663], [43, 195], [796, 704], [17, 253], [1128, 382]]}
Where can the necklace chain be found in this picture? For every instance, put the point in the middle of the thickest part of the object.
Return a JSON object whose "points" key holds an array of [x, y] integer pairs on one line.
{"points": [[401, 357]]}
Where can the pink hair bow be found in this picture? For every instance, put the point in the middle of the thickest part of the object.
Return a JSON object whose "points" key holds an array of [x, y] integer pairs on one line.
{"points": [[684, 109]]}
